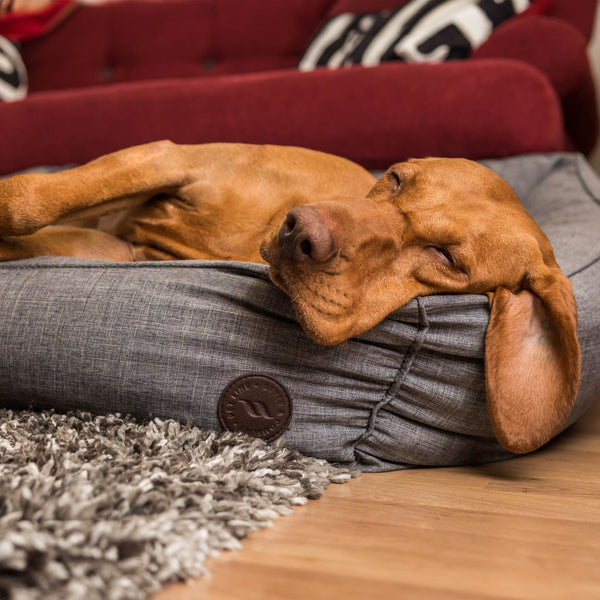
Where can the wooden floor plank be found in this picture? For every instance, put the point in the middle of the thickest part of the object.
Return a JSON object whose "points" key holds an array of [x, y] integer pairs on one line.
{"points": [[526, 529]]}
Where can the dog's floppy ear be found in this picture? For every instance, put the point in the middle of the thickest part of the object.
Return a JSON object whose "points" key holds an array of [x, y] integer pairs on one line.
{"points": [[532, 361]]}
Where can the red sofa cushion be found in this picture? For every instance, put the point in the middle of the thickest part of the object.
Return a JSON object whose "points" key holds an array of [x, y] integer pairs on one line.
{"points": [[485, 106], [120, 42], [417, 110], [565, 64]]}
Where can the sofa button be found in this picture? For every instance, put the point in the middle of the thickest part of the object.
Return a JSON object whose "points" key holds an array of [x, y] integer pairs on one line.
{"points": [[106, 72], [209, 64]]}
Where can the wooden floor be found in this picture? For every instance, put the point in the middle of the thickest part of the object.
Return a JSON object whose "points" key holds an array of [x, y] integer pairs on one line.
{"points": [[528, 528]]}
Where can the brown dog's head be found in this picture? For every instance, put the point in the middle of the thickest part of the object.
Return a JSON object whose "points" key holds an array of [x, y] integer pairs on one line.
{"points": [[432, 226]]}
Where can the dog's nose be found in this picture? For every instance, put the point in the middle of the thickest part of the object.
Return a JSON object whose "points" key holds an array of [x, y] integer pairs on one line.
{"points": [[305, 236]]}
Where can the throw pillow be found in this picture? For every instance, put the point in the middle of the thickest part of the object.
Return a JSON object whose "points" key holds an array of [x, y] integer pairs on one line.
{"points": [[419, 31], [13, 75]]}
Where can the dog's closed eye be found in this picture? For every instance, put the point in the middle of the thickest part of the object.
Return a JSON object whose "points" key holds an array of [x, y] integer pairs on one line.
{"points": [[396, 181], [447, 257], [443, 253]]}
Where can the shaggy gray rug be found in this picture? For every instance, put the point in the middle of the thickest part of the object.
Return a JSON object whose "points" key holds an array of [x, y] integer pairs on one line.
{"points": [[106, 507]]}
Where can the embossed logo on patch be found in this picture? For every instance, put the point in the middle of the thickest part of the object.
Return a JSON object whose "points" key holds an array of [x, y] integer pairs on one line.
{"points": [[256, 405]]}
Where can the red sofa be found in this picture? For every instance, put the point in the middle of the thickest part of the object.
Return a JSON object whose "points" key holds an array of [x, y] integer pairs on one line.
{"points": [[197, 71]]}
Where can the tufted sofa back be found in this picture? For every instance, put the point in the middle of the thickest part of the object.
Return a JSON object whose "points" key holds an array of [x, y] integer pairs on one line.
{"points": [[118, 42], [180, 38]]}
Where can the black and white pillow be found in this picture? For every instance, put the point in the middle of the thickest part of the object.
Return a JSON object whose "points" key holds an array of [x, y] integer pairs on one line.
{"points": [[419, 31], [13, 75]]}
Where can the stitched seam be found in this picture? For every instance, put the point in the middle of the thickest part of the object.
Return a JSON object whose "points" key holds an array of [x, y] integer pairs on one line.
{"points": [[590, 193], [401, 374], [584, 182], [200, 264], [597, 259], [228, 266]]}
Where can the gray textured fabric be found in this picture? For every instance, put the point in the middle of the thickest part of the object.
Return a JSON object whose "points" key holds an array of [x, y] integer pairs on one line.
{"points": [[166, 338]]}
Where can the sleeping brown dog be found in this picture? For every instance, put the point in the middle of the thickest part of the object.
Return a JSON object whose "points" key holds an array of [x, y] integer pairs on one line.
{"points": [[346, 248]]}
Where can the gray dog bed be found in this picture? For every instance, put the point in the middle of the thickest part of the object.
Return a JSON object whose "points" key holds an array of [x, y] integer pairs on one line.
{"points": [[166, 339]]}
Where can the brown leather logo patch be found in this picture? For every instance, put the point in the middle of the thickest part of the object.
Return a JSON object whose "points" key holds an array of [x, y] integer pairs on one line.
{"points": [[256, 405]]}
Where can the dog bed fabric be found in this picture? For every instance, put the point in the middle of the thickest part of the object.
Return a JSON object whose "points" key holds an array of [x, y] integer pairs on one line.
{"points": [[165, 339]]}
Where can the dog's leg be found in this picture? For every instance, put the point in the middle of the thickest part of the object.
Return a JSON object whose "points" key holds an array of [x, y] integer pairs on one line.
{"points": [[108, 184], [67, 241]]}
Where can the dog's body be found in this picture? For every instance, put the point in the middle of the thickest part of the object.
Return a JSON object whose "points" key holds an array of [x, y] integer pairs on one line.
{"points": [[347, 249]]}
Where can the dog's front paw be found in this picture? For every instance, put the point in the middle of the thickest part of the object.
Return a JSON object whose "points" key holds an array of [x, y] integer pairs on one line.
{"points": [[20, 213]]}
